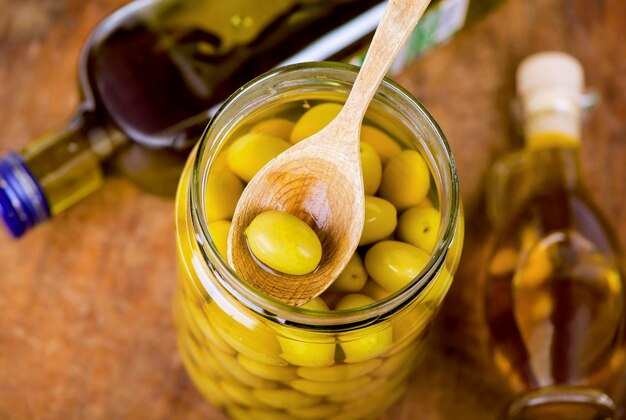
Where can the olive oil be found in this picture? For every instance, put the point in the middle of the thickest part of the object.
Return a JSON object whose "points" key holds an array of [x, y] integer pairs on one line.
{"points": [[554, 288], [554, 284]]}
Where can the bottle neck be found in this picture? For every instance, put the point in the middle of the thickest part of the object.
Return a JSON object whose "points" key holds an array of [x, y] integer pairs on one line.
{"points": [[551, 117], [553, 143], [22, 201], [54, 172], [551, 129]]}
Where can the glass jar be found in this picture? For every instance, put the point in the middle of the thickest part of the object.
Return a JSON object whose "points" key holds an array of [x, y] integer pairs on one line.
{"points": [[257, 358]]}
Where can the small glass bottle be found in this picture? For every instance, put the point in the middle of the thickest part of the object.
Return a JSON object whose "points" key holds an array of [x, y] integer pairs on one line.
{"points": [[153, 73], [554, 280]]}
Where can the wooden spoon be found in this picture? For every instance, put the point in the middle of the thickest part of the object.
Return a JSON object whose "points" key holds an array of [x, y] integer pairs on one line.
{"points": [[319, 179]]}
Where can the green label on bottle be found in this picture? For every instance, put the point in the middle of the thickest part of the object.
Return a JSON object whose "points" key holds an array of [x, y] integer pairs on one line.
{"points": [[424, 36]]}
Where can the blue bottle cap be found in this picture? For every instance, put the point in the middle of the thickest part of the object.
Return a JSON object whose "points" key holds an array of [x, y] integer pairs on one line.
{"points": [[22, 202]]}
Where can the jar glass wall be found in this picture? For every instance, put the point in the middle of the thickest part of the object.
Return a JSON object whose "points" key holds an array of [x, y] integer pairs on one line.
{"points": [[255, 357]]}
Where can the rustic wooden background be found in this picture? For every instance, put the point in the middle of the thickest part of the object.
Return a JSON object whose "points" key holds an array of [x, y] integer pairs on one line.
{"points": [[85, 301]]}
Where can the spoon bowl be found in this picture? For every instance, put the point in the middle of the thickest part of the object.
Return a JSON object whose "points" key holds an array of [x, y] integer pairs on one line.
{"points": [[318, 191], [319, 180]]}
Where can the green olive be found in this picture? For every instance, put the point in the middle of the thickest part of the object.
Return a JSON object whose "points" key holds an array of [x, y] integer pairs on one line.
{"points": [[380, 220], [241, 375], [353, 301], [375, 402], [339, 372], [198, 318], [262, 370], [223, 190], [207, 362], [304, 348], [314, 120], [353, 276], [425, 203], [277, 127], [381, 142], [372, 168], [329, 388], [206, 384], [318, 411], [236, 412], [368, 342], [373, 290], [316, 304], [419, 226], [331, 297], [285, 398], [220, 161], [250, 152], [411, 323], [406, 180], [219, 233], [245, 334], [394, 264], [284, 243], [395, 363], [240, 394], [356, 398]]}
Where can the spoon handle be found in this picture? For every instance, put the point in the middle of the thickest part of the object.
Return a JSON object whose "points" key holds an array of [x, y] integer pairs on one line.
{"points": [[397, 23]]}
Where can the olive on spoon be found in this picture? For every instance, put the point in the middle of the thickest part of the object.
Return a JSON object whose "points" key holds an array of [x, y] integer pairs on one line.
{"points": [[319, 179]]}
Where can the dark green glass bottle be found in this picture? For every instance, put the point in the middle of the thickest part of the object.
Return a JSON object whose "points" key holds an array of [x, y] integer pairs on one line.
{"points": [[152, 73]]}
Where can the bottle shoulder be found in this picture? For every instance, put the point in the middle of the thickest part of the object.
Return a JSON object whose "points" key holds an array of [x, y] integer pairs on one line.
{"points": [[560, 210]]}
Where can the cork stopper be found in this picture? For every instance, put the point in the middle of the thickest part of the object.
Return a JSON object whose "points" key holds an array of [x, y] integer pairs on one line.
{"points": [[550, 70], [550, 85]]}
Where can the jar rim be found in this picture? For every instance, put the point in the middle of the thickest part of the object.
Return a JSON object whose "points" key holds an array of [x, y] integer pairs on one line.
{"points": [[273, 309]]}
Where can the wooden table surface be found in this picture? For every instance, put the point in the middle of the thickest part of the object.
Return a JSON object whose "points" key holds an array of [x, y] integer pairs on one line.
{"points": [[86, 300]]}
